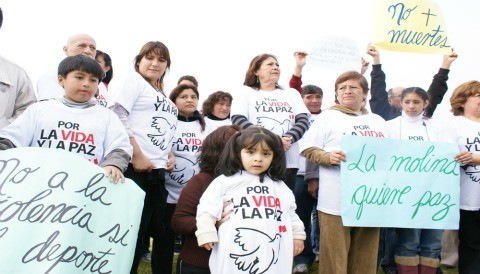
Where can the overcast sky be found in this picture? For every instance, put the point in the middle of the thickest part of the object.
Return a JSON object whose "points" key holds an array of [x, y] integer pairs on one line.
{"points": [[215, 40]]}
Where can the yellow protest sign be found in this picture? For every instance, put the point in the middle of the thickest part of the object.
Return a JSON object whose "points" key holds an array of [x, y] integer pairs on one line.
{"points": [[410, 25]]}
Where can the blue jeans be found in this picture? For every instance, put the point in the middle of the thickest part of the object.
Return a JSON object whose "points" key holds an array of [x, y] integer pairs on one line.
{"points": [[304, 202], [315, 230], [426, 243], [386, 250]]}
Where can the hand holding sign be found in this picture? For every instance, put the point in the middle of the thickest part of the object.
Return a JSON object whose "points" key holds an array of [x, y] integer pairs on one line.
{"points": [[413, 26]]}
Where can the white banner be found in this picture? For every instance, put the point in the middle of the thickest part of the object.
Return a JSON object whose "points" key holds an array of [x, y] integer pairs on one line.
{"points": [[331, 52]]}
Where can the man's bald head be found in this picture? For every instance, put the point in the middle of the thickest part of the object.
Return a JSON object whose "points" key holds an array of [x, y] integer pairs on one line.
{"points": [[81, 44], [395, 97]]}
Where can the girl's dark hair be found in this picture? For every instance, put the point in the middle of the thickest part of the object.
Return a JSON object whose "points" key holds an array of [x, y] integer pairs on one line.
{"points": [[80, 62], [158, 48], [251, 80], [179, 89], [311, 89], [231, 162], [415, 90], [108, 62], [207, 108], [212, 147]]}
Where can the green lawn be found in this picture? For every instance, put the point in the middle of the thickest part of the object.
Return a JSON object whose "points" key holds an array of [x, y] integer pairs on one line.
{"points": [[145, 268]]}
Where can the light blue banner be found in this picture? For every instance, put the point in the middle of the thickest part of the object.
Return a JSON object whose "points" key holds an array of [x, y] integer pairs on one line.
{"points": [[59, 214], [395, 183]]}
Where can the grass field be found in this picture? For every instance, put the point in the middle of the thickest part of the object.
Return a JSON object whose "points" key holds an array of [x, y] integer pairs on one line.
{"points": [[145, 268]]}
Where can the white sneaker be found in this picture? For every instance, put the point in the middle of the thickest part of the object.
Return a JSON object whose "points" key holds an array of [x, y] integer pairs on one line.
{"points": [[300, 268]]}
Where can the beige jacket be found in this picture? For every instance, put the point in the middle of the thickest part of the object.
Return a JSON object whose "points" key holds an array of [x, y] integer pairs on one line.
{"points": [[16, 91]]}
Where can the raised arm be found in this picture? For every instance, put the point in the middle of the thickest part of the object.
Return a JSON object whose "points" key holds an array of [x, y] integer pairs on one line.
{"points": [[439, 87], [364, 66], [300, 61], [379, 97]]}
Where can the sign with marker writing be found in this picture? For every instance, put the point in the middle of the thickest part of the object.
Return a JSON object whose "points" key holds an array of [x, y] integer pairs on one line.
{"points": [[332, 52], [412, 26], [60, 214], [397, 183]]}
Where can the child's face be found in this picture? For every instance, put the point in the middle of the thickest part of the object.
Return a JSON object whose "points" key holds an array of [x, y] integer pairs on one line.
{"points": [[79, 86], [257, 160], [413, 104]]}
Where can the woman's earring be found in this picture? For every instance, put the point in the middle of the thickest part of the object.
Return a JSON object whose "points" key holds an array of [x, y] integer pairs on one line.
{"points": [[256, 79]]}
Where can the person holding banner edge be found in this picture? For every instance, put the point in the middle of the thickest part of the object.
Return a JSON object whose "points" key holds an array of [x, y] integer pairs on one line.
{"points": [[86, 129], [389, 107], [342, 249], [417, 250], [465, 130]]}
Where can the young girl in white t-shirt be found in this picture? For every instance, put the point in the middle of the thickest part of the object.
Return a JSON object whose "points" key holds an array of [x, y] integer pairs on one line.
{"points": [[263, 233], [416, 249]]}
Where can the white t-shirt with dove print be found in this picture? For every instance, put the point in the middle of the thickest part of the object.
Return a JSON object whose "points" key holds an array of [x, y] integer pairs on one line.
{"points": [[152, 117], [274, 110], [466, 134], [186, 146], [258, 237]]}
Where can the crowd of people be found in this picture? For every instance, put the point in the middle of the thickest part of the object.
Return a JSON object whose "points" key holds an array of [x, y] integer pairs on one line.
{"points": [[250, 182]]}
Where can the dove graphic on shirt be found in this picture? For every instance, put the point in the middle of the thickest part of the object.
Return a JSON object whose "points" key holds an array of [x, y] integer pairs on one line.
{"points": [[184, 168], [473, 172], [261, 251], [165, 132], [278, 127]]}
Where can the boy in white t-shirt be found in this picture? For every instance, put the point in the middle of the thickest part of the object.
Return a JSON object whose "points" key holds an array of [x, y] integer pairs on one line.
{"points": [[74, 122]]}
